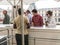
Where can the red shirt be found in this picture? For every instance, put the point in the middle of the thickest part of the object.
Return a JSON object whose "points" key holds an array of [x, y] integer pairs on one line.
{"points": [[37, 20]]}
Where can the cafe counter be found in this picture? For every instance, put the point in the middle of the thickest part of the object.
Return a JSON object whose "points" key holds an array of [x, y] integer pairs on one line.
{"points": [[44, 35]]}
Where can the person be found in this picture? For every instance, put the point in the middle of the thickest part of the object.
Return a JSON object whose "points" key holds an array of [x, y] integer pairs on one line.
{"points": [[25, 13], [6, 19], [37, 20], [17, 25], [29, 15], [50, 20]]}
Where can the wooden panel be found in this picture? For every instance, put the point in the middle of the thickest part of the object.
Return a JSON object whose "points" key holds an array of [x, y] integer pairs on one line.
{"points": [[31, 41], [45, 34], [47, 42]]}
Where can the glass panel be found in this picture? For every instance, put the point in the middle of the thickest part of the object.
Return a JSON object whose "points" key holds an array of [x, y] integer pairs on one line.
{"points": [[58, 19]]}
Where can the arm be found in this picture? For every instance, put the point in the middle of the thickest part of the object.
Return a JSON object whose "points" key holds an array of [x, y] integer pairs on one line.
{"points": [[14, 25], [27, 22], [32, 21], [52, 23], [32, 24], [46, 23], [28, 25], [41, 21]]}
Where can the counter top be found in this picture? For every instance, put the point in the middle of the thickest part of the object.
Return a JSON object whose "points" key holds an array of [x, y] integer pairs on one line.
{"points": [[44, 27], [6, 26]]}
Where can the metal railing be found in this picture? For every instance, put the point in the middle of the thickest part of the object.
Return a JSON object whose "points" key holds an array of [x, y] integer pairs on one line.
{"points": [[8, 37]]}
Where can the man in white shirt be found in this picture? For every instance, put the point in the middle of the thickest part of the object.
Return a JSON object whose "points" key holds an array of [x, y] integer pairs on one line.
{"points": [[29, 15], [50, 21]]}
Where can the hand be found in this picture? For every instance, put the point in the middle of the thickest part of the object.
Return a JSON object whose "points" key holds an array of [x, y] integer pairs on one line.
{"points": [[28, 25], [46, 23]]}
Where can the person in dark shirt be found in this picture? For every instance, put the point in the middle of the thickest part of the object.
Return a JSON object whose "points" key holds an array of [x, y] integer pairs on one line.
{"points": [[37, 20], [6, 18]]}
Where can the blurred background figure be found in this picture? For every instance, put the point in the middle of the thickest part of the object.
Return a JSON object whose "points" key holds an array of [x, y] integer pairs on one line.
{"points": [[50, 21], [29, 15], [25, 13], [37, 20], [6, 19]]}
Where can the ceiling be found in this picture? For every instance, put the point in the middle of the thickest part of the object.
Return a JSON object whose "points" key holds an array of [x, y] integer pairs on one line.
{"points": [[39, 3], [47, 4], [5, 2]]}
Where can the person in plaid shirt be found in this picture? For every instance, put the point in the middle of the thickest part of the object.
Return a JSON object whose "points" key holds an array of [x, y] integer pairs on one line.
{"points": [[37, 20]]}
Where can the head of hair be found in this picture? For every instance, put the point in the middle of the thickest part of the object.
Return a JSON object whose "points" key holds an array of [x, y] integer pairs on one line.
{"points": [[34, 10], [49, 12], [4, 11], [28, 11], [19, 11]]}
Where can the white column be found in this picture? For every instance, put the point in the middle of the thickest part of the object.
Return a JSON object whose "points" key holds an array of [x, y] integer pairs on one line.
{"points": [[22, 22]]}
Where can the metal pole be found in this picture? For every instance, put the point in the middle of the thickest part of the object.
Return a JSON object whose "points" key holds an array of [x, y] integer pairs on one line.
{"points": [[8, 37], [9, 2], [22, 21], [18, 2], [14, 2], [14, 11], [12, 36]]}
